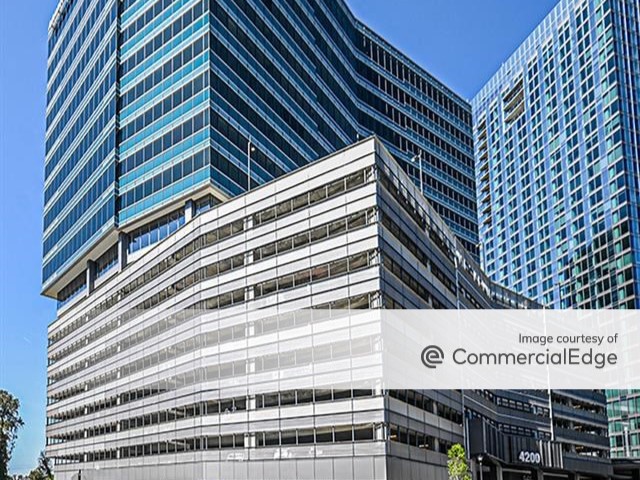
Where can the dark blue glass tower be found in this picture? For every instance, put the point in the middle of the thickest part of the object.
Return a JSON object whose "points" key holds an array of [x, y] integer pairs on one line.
{"points": [[81, 119], [152, 104]]}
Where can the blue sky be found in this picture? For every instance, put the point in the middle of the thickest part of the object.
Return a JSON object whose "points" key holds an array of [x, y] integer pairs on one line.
{"points": [[462, 42]]}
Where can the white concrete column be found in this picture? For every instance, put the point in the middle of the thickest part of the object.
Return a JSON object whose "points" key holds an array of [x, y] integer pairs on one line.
{"points": [[91, 276], [189, 210]]}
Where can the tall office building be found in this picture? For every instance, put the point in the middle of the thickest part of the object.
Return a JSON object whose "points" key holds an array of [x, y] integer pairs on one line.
{"points": [[167, 369], [158, 112], [557, 142], [151, 104]]}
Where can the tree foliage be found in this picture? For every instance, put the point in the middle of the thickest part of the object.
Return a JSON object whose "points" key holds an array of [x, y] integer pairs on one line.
{"points": [[10, 422], [457, 463], [36, 474], [43, 470]]}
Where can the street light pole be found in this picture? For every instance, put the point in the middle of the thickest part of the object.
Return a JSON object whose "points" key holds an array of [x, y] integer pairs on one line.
{"points": [[250, 148], [418, 158], [480, 458]]}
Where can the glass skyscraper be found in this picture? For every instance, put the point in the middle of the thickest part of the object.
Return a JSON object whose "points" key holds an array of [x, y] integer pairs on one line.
{"points": [[80, 190], [154, 103], [557, 142], [557, 136]]}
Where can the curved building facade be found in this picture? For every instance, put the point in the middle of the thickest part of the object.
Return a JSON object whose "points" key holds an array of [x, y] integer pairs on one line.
{"points": [[175, 365], [153, 374]]}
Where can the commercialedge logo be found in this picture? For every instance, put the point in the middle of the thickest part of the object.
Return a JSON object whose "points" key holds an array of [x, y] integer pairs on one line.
{"points": [[432, 356]]}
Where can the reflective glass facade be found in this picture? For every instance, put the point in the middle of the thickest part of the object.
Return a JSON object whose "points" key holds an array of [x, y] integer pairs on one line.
{"points": [[197, 80], [623, 410], [80, 165], [556, 143], [557, 136]]}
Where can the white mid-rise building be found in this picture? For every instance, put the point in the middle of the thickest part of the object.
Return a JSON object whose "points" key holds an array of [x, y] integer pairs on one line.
{"points": [[175, 365]]}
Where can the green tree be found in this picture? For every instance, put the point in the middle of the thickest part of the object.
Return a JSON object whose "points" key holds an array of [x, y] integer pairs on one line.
{"points": [[10, 422], [36, 474], [44, 467], [44, 470], [457, 463]]}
